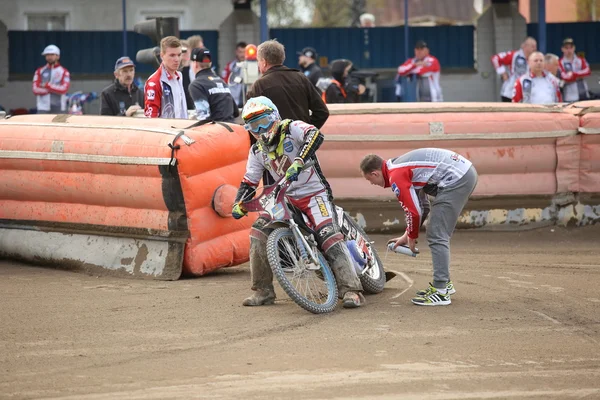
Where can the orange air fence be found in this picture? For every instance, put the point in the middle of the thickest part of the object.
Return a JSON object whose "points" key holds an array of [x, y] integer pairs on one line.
{"points": [[109, 194], [518, 150]]}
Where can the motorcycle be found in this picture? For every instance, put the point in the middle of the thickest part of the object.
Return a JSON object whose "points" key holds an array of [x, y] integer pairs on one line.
{"points": [[296, 260]]}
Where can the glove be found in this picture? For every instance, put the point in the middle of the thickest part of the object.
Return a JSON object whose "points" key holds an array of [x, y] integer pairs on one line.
{"points": [[238, 211], [293, 171]]}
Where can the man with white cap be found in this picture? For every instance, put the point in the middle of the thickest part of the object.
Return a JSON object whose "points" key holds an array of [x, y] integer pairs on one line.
{"points": [[51, 83], [122, 98]]}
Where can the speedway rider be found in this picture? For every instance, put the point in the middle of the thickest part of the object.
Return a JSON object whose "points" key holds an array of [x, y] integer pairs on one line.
{"points": [[281, 149]]}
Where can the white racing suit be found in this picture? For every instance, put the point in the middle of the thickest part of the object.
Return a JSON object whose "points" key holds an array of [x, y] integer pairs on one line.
{"points": [[311, 194]]}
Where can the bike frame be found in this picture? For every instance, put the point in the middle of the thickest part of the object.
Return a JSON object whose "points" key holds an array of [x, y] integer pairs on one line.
{"points": [[273, 202]]}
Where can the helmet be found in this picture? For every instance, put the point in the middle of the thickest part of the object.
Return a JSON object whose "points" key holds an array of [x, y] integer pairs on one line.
{"points": [[262, 119]]}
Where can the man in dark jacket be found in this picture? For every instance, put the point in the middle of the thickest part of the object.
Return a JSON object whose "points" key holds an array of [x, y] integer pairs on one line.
{"points": [[212, 97], [307, 61], [122, 98], [291, 91]]}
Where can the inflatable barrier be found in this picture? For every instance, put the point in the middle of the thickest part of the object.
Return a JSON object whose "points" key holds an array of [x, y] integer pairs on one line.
{"points": [[132, 196], [525, 155]]}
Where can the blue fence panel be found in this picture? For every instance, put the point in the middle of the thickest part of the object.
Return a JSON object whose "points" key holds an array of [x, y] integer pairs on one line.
{"points": [[585, 35], [380, 47], [85, 52]]}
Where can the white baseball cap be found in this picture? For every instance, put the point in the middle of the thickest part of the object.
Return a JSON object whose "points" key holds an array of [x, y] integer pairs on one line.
{"points": [[51, 49]]}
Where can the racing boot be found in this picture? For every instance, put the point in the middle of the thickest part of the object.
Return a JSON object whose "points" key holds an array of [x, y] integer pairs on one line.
{"points": [[349, 286], [262, 276], [261, 297], [353, 300]]}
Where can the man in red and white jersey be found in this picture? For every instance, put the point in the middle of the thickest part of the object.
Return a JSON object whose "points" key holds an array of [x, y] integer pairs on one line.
{"points": [[449, 177], [427, 70], [51, 83], [510, 65], [573, 69], [164, 94], [537, 86]]}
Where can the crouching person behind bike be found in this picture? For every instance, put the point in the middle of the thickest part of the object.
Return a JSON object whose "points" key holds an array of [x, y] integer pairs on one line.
{"points": [[282, 148]]}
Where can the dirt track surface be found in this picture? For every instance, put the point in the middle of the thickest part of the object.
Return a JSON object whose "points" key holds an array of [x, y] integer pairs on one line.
{"points": [[524, 323]]}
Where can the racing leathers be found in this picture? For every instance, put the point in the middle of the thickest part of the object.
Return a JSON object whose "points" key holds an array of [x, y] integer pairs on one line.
{"points": [[50, 86], [311, 194], [516, 61], [447, 176], [427, 72], [572, 72]]}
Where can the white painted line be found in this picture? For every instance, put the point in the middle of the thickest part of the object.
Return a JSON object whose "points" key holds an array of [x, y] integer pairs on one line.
{"points": [[541, 314], [407, 279]]}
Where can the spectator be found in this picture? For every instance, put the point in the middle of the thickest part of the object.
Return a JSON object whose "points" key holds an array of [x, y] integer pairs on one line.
{"points": [[185, 54], [551, 64], [537, 86], [367, 20], [516, 61], [306, 61], [165, 97], [192, 42], [211, 95], [232, 74], [122, 98], [195, 42], [291, 91], [336, 92], [573, 70], [427, 69], [341, 88], [186, 73], [51, 83]]}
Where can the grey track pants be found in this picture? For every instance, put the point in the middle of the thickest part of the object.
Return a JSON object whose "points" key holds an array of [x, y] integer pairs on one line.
{"points": [[445, 210]]}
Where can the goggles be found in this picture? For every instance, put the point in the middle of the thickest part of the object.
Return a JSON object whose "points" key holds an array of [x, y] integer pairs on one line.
{"points": [[261, 124]]}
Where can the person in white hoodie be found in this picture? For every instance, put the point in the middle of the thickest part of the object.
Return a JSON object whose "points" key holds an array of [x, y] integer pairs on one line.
{"points": [[51, 83]]}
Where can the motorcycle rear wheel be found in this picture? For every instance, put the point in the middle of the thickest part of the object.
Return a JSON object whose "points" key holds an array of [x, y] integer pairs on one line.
{"points": [[373, 281]]}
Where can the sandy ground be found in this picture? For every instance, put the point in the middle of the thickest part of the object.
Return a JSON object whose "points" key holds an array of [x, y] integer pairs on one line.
{"points": [[524, 324]]}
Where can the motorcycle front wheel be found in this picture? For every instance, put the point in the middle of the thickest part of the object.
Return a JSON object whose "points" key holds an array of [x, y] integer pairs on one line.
{"points": [[312, 287]]}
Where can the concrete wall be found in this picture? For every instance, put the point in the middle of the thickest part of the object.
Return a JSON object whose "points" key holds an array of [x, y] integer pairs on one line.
{"points": [[193, 14], [239, 26]]}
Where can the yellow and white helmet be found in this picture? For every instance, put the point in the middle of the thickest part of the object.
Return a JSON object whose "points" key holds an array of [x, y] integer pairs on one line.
{"points": [[261, 119]]}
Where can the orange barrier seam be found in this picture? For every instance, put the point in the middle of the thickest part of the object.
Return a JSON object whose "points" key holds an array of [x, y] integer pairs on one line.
{"points": [[39, 155], [467, 136], [172, 132]]}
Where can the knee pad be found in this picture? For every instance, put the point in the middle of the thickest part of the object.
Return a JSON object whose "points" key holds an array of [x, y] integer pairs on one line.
{"points": [[258, 229], [327, 236]]}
